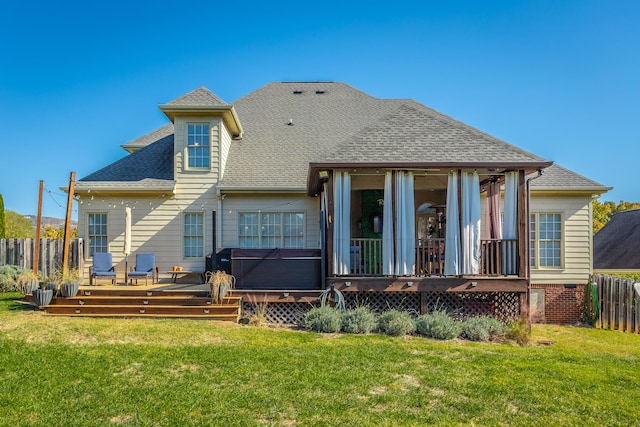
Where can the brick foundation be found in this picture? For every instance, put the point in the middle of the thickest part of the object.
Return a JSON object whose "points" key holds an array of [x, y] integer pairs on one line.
{"points": [[562, 303]]}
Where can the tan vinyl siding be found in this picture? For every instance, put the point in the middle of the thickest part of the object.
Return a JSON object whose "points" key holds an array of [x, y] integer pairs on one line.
{"points": [[156, 226], [180, 144], [576, 239], [233, 204], [225, 145]]}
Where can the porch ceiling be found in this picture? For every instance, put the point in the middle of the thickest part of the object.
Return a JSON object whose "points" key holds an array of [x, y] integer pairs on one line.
{"points": [[429, 176]]}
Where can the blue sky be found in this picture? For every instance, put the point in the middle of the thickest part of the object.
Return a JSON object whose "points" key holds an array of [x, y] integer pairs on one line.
{"points": [[78, 79]]}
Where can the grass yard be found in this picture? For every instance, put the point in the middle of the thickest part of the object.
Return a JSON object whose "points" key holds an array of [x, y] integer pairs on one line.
{"points": [[100, 372]]}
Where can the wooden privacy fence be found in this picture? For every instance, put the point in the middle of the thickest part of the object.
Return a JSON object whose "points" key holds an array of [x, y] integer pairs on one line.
{"points": [[619, 303], [20, 252]]}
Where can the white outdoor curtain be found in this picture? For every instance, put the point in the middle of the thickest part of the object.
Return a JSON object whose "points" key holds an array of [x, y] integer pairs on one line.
{"points": [[398, 244], [510, 226], [405, 243], [452, 261], [388, 264], [341, 222], [493, 228], [470, 223]]}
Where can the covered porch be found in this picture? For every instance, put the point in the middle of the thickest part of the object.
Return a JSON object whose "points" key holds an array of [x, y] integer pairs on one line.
{"points": [[412, 224], [428, 236]]}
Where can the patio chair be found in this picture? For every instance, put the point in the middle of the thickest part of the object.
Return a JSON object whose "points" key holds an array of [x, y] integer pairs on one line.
{"points": [[145, 267], [102, 267]]}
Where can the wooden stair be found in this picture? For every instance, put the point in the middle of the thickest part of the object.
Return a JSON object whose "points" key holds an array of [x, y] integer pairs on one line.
{"points": [[152, 303]]}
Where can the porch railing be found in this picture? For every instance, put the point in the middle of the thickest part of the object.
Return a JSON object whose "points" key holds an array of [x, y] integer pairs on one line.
{"points": [[497, 257], [366, 257]]}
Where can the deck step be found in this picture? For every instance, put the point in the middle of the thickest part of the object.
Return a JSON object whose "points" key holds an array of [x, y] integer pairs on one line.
{"points": [[153, 303], [141, 300], [217, 317]]}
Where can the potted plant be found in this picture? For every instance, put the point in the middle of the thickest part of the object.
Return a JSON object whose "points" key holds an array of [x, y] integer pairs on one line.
{"points": [[28, 280], [221, 284], [70, 283], [52, 282], [42, 296]]}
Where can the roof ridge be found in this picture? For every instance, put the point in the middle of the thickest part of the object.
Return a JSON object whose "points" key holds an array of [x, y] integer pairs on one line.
{"points": [[200, 96]]}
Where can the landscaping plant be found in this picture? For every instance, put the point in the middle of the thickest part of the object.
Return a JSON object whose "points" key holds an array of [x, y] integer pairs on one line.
{"points": [[360, 320], [323, 319], [396, 323], [438, 325], [483, 328], [518, 331]]}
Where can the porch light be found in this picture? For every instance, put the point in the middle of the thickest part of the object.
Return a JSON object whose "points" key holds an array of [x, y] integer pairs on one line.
{"points": [[323, 174]]}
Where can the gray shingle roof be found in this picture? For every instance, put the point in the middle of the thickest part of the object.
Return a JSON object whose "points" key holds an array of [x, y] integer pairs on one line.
{"points": [[149, 138], [289, 125], [200, 97], [153, 161], [615, 246], [413, 132], [333, 122], [556, 177]]}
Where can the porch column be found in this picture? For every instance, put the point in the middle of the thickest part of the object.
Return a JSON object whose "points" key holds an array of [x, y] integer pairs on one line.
{"points": [[523, 225]]}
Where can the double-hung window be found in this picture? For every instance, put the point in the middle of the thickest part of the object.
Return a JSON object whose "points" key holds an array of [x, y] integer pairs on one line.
{"points": [[198, 153], [271, 230], [546, 240], [193, 235], [97, 233]]}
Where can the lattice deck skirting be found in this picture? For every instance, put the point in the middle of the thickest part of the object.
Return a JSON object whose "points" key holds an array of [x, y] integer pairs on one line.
{"points": [[287, 313], [460, 305]]}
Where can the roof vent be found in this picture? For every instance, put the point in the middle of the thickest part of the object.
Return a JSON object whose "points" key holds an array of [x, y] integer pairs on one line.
{"points": [[319, 92], [297, 92]]}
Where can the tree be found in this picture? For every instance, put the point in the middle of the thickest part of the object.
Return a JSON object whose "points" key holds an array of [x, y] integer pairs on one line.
{"points": [[603, 211], [58, 232], [2, 222], [18, 226]]}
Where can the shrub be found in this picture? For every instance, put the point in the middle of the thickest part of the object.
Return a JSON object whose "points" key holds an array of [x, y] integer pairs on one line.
{"points": [[518, 332], [9, 278], [438, 325], [482, 328], [359, 321], [396, 323], [323, 319]]}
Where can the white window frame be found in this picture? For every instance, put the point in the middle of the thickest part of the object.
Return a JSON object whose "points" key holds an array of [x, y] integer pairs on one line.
{"points": [[91, 248], [185, 253], [535, 241], [265, 234], [192, 142]]}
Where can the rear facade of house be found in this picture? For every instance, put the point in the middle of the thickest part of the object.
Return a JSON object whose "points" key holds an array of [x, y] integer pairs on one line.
{"points": [[300, 187]]}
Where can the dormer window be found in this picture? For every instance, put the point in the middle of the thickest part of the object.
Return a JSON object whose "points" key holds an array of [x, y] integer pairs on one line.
{"points": [[198, 146]]}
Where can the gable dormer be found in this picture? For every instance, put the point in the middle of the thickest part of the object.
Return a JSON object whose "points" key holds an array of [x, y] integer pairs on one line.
{"points": [[204, 126]]}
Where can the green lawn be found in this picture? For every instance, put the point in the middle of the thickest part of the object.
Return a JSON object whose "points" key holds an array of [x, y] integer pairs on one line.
{"points": [[97, 372]]}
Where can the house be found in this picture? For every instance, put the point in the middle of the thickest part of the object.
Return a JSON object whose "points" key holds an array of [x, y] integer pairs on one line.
{"points": [[615, 246], [305, 186]]}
